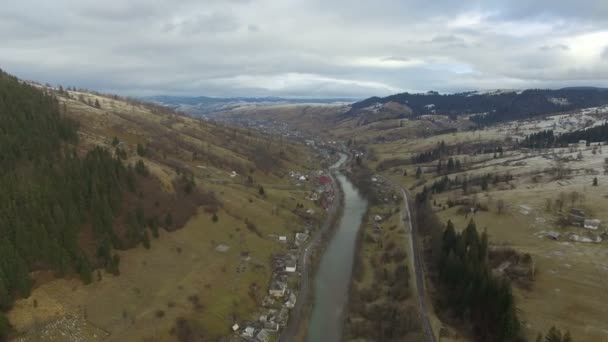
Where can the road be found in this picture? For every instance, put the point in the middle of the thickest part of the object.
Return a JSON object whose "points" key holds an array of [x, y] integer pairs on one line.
{"points": [[416, 264], [304, 295]]}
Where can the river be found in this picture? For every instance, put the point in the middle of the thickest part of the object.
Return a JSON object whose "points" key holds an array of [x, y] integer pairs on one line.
{"points": [[333, 276]]}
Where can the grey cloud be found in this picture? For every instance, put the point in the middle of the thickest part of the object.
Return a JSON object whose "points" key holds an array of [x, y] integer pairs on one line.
{"points": [[304, 47], [204, 23], [562, 47]]}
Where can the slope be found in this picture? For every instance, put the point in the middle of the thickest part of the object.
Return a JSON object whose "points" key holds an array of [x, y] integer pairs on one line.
{"points": [[204, 178]]}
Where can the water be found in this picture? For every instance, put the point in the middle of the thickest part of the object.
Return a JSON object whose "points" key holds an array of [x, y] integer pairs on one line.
{"points": [[332, 280]]}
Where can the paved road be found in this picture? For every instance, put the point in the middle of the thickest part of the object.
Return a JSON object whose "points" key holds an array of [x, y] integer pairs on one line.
{"points": [[304, 295], [416, 263]]}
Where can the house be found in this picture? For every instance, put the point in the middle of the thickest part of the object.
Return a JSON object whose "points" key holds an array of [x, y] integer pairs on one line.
{"points": [[592, 224], [377, 218], [248, 332], [283, 238], [576, 217], [277, 289], [553, 235], [235, 327], [263, 336], [291, 302], [290, 266], [324, 180], [301, 238]]}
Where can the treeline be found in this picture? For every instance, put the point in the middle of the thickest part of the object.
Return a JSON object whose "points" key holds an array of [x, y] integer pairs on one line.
{"points": [[441, 151], [459, 267], [446, 183], [49, 192], [470, 289], [548, 138]]}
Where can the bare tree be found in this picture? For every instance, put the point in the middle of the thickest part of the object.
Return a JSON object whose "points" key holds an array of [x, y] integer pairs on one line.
{"points": [[574, 196], [500, 206], [559, 167], [548, 204]]}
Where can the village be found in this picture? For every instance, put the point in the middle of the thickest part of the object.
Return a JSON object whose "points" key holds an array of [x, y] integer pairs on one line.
{"points": [[282, 294]]}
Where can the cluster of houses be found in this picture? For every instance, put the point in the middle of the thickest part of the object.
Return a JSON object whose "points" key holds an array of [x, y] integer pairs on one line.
{"points": [[274, 313], [577, 217]]}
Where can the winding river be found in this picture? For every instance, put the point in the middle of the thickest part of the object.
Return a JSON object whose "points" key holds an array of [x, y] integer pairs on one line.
{"points": [[333, 276]]}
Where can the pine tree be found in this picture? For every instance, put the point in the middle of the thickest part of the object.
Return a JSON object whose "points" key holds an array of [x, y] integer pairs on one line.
{"points": [[168, 220], [261, 191], [145, 239], [553, 335], [4, 326]]}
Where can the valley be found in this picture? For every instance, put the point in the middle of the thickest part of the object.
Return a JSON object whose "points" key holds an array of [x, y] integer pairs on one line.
{"points": [[522, 197]]}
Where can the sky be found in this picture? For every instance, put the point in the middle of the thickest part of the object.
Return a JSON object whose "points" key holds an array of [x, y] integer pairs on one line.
{"points": [[305, 48]]}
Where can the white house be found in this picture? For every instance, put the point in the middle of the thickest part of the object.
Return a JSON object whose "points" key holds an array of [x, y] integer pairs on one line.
{"points": [[592, 224], [290, 267]]}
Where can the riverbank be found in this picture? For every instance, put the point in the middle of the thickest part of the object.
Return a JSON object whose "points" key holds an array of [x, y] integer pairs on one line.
{"points": [[295, 329], [381, 304]]}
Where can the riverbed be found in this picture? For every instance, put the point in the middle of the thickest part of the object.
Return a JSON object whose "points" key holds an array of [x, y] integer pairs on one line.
{"points": [[333, 276]]}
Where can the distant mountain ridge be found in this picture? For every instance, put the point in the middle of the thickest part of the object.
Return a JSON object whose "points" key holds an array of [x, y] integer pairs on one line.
{"points": [[486, 107], [204, 105]]}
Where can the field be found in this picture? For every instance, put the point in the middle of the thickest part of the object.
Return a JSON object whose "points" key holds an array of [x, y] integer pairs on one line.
{"points": [[570, 282], [203, 277]]}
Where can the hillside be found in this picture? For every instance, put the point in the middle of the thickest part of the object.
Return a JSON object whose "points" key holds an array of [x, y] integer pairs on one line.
{"points": [[133, 196], [487, 107]]}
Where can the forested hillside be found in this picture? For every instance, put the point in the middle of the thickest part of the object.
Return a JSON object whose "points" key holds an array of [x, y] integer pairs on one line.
{"points": [[489, 108], [547, 138], [51, 194]]}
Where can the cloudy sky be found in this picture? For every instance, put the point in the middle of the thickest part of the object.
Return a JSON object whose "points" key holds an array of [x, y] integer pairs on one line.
{"points": [[305, 48]]}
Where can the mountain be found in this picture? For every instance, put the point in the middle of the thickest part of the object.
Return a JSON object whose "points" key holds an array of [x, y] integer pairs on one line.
{"points": [[205, 106], [485, 107]]}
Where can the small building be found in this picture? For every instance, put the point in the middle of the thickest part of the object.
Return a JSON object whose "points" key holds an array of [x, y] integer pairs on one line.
{"points": [[377, 218], [553, 235], [324, 180], [576, 217], [301, 238], [291, 266], [291, 302], [592, 224], [235, 327], [577, 212], [263, 336], [277, 289], [249, 332], [283, 238]]}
